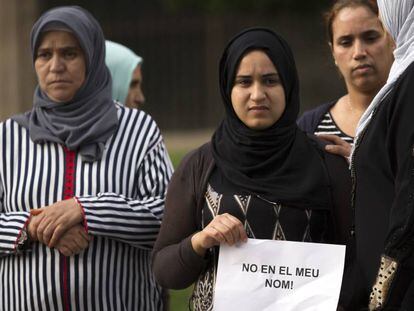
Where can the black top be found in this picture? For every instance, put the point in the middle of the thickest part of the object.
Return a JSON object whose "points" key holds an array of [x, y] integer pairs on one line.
{"points": [[384, 186], [175, 263], [262, 219], [310, 120]]}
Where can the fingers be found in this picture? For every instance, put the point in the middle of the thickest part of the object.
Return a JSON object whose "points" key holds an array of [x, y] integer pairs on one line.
{"points": [[338, 146], [338, 150], [74, 241], [334, 139], [224, 228], [57, 218], [33, 225]]}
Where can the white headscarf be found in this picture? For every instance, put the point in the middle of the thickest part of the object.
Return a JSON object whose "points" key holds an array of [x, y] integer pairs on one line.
{"points": [[398, 18]]}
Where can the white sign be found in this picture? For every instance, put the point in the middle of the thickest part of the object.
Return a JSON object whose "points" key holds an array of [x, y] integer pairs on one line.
{"points": [[279, 275]]}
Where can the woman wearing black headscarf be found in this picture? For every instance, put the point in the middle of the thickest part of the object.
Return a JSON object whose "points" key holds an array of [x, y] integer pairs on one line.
{"points": [[259, 177], [82, 182]]}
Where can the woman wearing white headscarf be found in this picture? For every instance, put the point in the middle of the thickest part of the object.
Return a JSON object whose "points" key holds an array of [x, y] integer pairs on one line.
{"points": [[383, 171], [125, 67]]}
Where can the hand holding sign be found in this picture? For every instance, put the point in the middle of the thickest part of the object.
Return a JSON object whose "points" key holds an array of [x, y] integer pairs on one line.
{"points": [[224, 228]]}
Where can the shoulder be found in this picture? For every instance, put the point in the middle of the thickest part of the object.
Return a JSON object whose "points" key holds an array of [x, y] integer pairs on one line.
{"points": [[138, 122], [199, 159], [334, 163], [311, 118]]}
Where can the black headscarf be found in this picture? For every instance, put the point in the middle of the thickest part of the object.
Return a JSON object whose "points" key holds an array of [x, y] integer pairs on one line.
{"points": [[90, 118], [279, 163]]}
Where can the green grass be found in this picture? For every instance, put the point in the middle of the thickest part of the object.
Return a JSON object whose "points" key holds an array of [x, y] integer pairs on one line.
{"points": [[179, 298], [176, 156]]}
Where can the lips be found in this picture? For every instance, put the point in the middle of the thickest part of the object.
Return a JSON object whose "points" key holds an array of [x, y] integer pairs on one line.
{"points": [[362, 67], [59, 82], [258, 108]]}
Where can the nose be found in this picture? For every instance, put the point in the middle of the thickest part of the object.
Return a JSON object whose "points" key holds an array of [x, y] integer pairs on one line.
{"points": [[258, 92], [139, 97], [56, 64], [359, 50]]}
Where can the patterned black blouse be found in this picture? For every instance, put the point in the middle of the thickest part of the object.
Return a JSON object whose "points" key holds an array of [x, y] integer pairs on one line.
{"points": [[262, 219]]}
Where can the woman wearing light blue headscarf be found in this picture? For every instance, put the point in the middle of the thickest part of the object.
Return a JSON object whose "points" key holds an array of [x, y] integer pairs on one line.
{"points": [[125, 68], [383, 170]]}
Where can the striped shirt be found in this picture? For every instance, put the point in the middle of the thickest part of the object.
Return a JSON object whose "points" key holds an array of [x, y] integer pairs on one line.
{"points": [[123, 200], [328, 126]]}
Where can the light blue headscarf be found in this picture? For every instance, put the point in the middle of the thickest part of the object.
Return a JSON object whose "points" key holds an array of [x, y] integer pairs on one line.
{"points": [[121, 62]]}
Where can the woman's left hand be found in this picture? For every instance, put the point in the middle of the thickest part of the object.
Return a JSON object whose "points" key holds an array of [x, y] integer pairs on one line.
{"points": [[56, 220]]}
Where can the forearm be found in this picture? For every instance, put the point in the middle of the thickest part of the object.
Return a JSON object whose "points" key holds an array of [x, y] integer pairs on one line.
{"points": [[11, 226], [177, 266], [135, 222]]}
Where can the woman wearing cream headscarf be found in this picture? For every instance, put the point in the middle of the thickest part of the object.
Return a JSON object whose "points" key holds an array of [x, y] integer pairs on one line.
{"points": [[383, 170], [125, 68]]}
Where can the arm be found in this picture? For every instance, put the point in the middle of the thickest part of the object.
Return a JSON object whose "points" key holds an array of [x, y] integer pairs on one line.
{"points": [[180, 249], [398, 255], [12, 225], [135, 221]]}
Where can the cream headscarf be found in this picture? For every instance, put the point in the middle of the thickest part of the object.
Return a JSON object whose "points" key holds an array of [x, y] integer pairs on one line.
{"points": [[398, 18]]}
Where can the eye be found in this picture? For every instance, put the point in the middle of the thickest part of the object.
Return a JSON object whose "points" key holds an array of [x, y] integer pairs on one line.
{"points": [[372, 38], [70, 54], [345, 42], [270, 81], [243, 82], [43, 55]]}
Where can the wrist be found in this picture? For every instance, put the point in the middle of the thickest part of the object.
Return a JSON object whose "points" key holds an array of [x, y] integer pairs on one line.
{"points": [[197, 246]]}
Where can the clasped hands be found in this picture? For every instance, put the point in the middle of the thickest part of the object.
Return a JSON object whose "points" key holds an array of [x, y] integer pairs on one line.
{"points": [[59, 225], [224, 228]]}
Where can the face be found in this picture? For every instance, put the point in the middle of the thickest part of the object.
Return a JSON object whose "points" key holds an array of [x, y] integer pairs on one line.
{"points": [[257, 96], [135, 96], [60, 65], [361, 48]]}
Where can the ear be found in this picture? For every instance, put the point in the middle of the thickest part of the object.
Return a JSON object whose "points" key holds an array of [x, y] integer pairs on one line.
{"points": [[332, 52]]}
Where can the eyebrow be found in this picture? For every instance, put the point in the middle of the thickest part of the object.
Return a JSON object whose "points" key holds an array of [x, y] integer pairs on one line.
{"points": [[63, 48], [365, 33], [266, 75]]}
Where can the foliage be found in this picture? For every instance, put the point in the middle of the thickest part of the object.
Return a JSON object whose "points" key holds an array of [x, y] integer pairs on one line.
{"points": [[220, 6]]}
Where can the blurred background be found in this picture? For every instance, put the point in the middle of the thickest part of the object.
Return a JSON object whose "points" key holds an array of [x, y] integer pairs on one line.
{"points": [[181, 42]]}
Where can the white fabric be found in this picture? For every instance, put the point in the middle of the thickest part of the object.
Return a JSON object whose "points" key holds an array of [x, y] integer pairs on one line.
{"points": [[398, 19]]}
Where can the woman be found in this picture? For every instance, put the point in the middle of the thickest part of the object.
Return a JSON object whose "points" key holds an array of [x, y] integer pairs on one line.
{"points": [[125, 67], [82, 193], [240, 184], [362, 51], [383, 175]]}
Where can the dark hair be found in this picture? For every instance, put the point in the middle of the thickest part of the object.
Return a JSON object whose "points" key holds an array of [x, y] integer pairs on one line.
{"points": [[331, 14]]}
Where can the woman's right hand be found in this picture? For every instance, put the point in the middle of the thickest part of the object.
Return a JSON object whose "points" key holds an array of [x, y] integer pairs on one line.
{"points": [[73, 241], [224, 228]]}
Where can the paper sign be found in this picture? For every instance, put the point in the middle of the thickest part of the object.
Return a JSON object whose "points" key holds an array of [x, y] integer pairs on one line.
{"points": [[279, 275]]}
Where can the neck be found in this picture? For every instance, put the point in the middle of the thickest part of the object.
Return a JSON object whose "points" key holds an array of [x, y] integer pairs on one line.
{"points": [[359, 101]]}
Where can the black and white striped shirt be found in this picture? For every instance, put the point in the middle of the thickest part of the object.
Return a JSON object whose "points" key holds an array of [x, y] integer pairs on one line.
{"points": [[328, 126], [123, 199]]}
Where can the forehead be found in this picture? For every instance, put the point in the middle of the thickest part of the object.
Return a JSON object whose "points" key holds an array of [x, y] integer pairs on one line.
{"points": [[256, 60], [354, 20], [58, 39]]}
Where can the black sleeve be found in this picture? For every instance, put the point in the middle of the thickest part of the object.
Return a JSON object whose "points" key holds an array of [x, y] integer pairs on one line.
{"points": [[399, 244], [309, 121], [175, 264]]}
